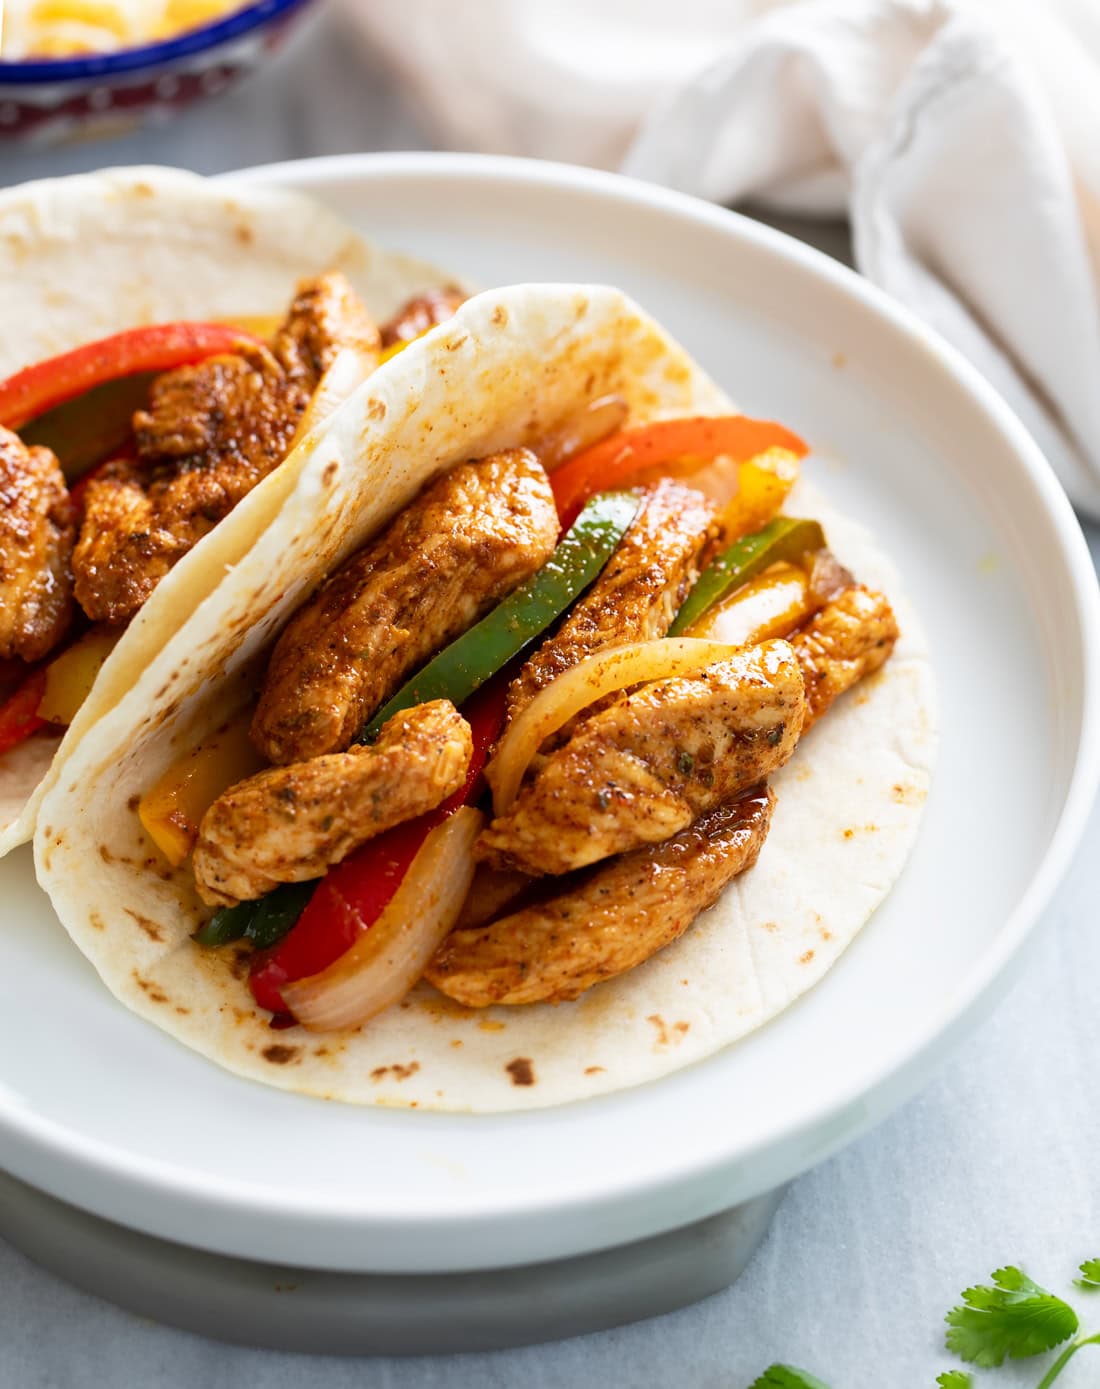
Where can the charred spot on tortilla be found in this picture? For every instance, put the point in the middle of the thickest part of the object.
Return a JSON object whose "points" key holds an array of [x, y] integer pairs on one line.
{"points": [[239, 960], [397, 1070], [279, 1054], [152, 991], [521, 1070], [145, 923]]}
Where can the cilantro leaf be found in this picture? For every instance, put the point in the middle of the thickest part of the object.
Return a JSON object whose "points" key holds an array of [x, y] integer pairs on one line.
{"points": [[1090, 1276], [1014, 1318], [786, 1377], [954, 1379]]}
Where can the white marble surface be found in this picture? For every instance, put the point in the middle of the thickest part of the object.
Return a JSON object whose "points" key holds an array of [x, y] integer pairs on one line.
{"points": [[995, 1162]]}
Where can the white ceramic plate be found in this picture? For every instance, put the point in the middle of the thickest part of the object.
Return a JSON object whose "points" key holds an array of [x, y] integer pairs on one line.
{"points": [[106, 1112]]}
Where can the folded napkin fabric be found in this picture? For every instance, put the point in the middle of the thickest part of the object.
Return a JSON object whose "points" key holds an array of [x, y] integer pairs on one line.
{"points": [[961, 138]]}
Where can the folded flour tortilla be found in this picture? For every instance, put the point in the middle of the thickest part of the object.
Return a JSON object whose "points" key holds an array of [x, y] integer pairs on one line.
{"points": [[509, 367], [85, 257]]}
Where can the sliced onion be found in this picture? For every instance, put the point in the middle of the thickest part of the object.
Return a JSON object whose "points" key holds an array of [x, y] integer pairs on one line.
{"points": [[350, 368], [771, 605], [595, 422], [615, 668], [391, 955]]}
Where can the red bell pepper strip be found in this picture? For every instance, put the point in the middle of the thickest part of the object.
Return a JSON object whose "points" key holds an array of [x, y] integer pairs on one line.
{"points": [[610, 462], [158, 347], [353, 894], [36, 389], [19, 712]]}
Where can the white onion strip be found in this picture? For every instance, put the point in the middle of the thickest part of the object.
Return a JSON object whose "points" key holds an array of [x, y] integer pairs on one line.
{"points": [[614, 668], [596, 421], [388, 958]]}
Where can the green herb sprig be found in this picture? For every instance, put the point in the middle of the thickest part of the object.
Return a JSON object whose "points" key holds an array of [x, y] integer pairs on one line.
{"points": [[787, 1377], [1010, 1318]]}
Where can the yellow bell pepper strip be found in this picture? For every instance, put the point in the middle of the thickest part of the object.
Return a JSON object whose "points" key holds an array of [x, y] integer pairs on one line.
{"points": [[172, 810], [513, 625], [158, 347], [71, 675], [763, 484], [619, 456], [395, 347], [786, 538]]}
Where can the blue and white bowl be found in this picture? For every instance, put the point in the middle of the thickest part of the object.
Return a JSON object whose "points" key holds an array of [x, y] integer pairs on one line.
{"points": [[107, 94]]}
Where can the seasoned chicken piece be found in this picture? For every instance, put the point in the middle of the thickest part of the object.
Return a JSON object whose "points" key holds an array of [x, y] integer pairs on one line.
{"points": [[421, 313], [490, 892], [645, 768], [465, 543], [290, 824], [849, 638], [211, 433], [637, 595], [37, 529], [326, 316], [613, 918]]}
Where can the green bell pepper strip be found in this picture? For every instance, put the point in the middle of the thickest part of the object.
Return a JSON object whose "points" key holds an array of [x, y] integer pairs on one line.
{"points": [[472, 658], [263, 922], [785, 538]]}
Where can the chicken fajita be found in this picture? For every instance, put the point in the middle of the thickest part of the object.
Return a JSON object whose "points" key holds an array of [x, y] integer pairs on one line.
{"points": [[170, 345], [554, 734]]}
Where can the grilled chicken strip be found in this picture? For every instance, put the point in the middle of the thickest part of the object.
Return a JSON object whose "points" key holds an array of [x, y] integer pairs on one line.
{"points": [[465, 543], [642, 770], [422, 313], [37, 530], [849, 638], [614, 918], [637, 595], [211, 433], [290, 824]]}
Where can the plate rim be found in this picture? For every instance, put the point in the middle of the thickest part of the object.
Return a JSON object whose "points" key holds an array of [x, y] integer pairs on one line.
{"points": [[848, 1110]]}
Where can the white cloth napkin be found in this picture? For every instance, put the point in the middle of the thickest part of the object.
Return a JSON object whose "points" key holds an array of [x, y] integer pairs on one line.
{"points": [[962, 138]]}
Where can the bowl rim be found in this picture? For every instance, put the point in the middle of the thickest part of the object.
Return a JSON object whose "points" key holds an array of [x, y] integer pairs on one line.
{"points": [[185, 45], [113, 1178]]}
